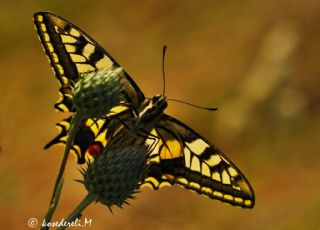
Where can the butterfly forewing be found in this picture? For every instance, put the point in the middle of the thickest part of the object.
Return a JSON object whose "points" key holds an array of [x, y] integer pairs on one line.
{"points": [[181, 156], [72, 53]]}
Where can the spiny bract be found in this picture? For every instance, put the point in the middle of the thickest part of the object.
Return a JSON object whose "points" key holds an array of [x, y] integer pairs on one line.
{"points": [[114, 177], [97, 92]]}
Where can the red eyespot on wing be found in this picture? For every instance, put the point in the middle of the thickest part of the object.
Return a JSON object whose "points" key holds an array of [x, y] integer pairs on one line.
{"points": [[94, 150]]}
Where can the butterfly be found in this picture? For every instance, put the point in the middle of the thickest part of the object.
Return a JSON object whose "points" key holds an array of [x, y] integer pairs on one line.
{"points": [[178, 154]]}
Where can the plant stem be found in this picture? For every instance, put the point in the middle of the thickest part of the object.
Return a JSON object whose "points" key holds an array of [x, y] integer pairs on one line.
{"points": [[53, 204], [78, 210], [74, 126]]}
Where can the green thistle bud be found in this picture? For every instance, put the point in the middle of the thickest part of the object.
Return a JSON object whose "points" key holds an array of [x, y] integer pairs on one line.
{"points": [[97, 92], [114, 177]]}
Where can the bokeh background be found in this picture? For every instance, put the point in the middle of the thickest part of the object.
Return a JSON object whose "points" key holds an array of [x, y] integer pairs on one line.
{"points": [[258, 61]]}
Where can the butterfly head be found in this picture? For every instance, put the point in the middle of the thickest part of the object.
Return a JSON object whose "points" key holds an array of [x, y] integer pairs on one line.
{"points": [[153, 108], [159, 101]]}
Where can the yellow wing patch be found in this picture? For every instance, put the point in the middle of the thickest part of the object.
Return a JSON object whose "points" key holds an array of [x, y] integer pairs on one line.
{"points": [[171, 150]]}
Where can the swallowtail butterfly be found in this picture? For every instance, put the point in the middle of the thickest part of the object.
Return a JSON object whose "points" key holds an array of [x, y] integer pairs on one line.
{"points": [[179, 155]]}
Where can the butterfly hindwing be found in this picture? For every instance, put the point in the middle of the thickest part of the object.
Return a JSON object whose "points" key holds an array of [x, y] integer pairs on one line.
{"points": [[91, 132], [72, 53], [181, 156]]}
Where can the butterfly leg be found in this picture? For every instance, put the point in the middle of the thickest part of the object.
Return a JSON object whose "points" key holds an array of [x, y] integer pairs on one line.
{"points": [[123, 123], [150, 137]]}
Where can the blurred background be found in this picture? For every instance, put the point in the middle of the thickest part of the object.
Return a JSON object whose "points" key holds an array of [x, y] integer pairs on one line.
{"points": [[257, 61]]}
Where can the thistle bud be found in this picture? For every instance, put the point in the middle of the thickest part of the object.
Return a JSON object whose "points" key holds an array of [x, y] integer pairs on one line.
{"points": [[97, 92], [114, 177]]}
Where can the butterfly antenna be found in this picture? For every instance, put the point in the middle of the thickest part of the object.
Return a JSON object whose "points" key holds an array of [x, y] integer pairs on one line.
{"points": [[163, 74], [196, 106]]}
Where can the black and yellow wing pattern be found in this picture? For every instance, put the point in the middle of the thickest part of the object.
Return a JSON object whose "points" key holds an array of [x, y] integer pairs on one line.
{"points": [[91, 134], [181, 156], [92, 137], [72, 53]]}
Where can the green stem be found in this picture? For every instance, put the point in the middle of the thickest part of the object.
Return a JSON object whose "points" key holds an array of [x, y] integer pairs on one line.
{"points": [[78, 210], [74, 126], [53, 205]]}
